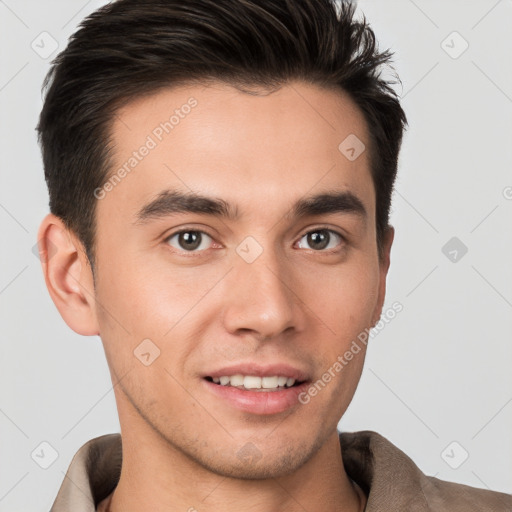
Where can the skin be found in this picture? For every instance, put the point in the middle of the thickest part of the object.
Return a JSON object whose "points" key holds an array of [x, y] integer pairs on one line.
{"points": [[293, 304]]}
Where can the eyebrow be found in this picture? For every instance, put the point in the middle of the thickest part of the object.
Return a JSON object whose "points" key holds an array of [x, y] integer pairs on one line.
{"points": [[171, 202]]}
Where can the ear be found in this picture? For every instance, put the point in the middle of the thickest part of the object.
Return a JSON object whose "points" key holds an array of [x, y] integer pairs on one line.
{"points": [[384, 262], [68, 275]]}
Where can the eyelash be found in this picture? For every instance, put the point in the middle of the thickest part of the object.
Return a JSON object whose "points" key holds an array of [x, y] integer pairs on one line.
{"points": [[195, 252]]}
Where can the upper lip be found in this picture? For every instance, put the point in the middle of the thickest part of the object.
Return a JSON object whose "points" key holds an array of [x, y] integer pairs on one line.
{"points": [[260, 370]]}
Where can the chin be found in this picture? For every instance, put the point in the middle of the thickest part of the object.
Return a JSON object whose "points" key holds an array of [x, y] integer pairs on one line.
{"points": [[251, 463]]}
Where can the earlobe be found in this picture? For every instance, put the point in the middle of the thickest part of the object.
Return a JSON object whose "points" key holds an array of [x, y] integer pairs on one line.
{"points": [[388, 238], [384, 263], [68, 275]]}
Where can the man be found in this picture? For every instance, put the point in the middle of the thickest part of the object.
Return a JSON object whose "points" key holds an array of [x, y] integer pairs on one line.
{"points": [[220, 175]]}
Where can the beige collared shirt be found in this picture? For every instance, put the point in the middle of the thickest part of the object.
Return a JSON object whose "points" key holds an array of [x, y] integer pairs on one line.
{"points": [[388, 477]]}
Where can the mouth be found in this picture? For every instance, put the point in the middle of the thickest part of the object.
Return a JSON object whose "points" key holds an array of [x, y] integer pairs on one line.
{"points": [[256, 389], [256, 383]]}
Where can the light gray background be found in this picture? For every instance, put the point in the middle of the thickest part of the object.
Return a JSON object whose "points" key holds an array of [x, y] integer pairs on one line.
{"points": [[438, 373]]}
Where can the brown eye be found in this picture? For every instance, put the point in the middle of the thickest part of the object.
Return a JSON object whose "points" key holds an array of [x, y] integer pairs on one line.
{"points": [[321, 239], [189, 240]]}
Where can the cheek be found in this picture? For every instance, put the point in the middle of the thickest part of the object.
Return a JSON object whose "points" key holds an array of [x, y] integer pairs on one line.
{"points": [[149, 300], [346, 306], [345, 296], [146, 299]]}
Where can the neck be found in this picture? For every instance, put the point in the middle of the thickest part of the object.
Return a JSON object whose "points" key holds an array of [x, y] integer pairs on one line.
{"points": [[156, 476]]}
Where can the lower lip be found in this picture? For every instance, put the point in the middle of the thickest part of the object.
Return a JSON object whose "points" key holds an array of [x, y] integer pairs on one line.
{"points": [[258, 402]]}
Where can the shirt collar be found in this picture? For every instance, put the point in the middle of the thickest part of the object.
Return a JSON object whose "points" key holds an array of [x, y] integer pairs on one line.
{"points": [[369, 459]]}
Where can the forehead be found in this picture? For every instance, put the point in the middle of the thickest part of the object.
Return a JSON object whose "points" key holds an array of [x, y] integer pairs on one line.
{"points": [[215, 139]]}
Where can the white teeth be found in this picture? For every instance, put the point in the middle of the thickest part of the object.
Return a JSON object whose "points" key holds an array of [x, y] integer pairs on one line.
{"points": [[269, 382], [251, 382], [237, 380], [254, 382], [281, 381]]}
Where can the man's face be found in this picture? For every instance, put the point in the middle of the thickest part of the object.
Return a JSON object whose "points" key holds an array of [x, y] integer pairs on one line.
{"points": [[270, 292]]}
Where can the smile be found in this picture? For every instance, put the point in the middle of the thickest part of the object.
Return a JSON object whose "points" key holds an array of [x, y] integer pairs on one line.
{"points": [[255, 383]]}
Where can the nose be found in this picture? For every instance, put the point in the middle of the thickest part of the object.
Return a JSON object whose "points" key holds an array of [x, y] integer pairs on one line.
{"points": [[261, 298]]}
